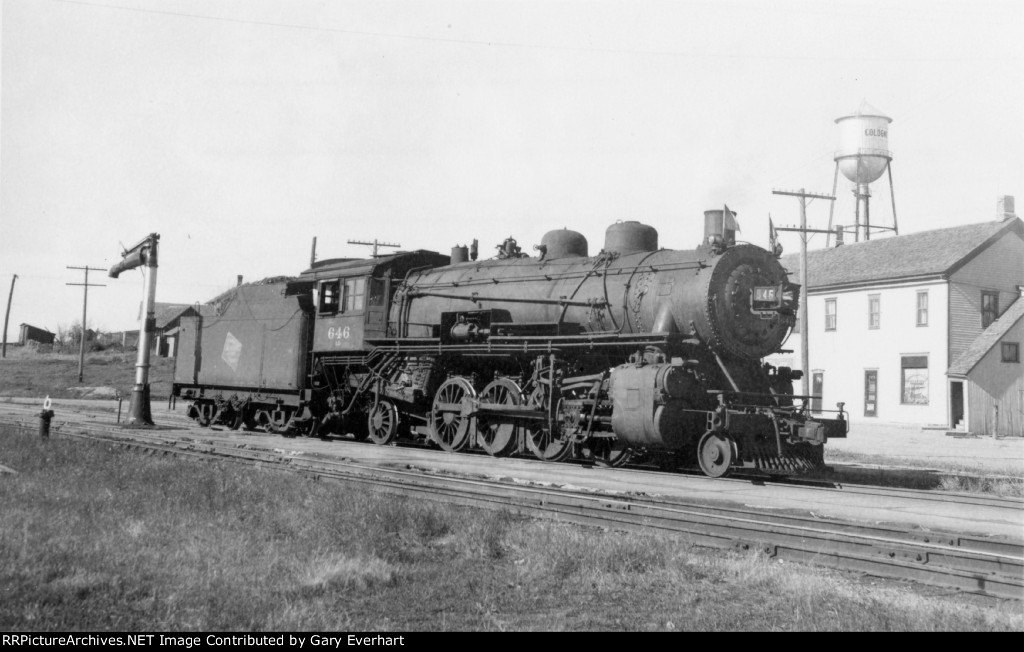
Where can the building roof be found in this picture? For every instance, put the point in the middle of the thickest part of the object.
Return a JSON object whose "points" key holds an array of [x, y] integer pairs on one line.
{"points": [[988, 339], [937, 253], [36, 328], [165, 313]]}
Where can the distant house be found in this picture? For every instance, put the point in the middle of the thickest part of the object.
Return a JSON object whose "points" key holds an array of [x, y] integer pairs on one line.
{"points": [[126, 339], [901, 328], [33, 334]]}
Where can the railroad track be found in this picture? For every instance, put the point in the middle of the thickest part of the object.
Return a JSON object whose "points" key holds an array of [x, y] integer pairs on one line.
{"points": [[974, 564], [27, 415]]}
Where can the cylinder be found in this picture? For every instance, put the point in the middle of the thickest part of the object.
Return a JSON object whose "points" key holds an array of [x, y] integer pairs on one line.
{"points": [[646, 411], [630, 237]]}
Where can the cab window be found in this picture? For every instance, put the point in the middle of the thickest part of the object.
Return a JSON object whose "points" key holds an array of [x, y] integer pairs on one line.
{"points": [[330, 299], [377, 289], [355, 294]]}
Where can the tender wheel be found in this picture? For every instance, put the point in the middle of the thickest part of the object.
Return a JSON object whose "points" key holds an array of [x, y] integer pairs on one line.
{"points": [[543, 443], [236, 418], [206, 413], [382, 423], [497, 435], [606, 451], [450, 426], [716, 453]]}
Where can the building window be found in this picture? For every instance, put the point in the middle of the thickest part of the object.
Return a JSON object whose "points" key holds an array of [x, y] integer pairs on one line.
{"points": [[989, 308], [922, 308], [914, 381], [830, 314], [1011, 351], [355, 293], [874, 311], [329, 297]]}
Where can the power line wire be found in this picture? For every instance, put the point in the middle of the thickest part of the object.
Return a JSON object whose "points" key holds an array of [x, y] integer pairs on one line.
{"points": [[511, 44]]}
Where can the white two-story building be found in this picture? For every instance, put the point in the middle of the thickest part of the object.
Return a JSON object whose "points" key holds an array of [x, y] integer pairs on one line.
{"points": [[889, 318]]}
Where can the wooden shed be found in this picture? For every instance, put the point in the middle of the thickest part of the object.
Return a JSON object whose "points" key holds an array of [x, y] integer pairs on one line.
{"points": [[987, 380]]}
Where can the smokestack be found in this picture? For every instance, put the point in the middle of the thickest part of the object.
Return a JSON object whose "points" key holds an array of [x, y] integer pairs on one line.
{"points": [[1004, 208], [239, 281], [839, 235]]}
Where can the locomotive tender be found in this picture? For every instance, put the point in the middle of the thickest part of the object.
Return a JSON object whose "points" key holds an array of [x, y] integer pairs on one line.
{"points": [[635, 351]]}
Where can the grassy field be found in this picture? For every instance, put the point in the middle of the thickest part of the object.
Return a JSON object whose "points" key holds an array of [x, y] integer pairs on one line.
{"points": [[99, 538], [27, 373]]}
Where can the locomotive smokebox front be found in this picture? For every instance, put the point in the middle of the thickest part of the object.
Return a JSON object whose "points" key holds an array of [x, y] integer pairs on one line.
{"points": [[741, 303]]}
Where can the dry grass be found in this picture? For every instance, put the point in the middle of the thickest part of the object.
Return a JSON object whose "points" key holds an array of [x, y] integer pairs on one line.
{"points": [[25, 373], [102, 539], [960, 475]]}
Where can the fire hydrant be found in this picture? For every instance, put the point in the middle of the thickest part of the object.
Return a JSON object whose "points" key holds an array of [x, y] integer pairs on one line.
{"points": [[44, 419]]}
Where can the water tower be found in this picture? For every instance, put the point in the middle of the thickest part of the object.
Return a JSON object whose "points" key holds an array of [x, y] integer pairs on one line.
{"points": [[862, 158]]}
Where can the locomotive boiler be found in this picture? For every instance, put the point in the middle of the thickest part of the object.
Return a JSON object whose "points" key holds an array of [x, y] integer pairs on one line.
{"points": [[634, 351]]}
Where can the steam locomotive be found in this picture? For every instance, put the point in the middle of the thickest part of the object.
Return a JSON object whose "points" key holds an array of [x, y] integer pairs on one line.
{"points": [[637, 351]]}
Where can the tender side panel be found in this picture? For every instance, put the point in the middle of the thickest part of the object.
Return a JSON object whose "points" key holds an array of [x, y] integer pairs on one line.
{"points": [[257, 341]]}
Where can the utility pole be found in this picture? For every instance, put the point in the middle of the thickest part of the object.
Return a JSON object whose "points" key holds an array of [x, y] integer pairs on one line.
{"points": [[85, 304], [803, 230], [7, 315], [374, 244]]}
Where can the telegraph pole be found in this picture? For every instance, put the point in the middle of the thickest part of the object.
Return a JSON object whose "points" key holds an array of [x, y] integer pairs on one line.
{"points": [[85, 303], [374, 244], [7, 315], [803, 230]]}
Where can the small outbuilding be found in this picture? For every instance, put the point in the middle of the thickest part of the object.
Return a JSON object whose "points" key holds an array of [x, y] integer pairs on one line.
{"points": [[986, 382], [33, 334], [167, 316]]}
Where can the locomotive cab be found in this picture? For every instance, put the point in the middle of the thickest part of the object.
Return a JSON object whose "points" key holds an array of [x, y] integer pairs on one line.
{"points": [[353, 298], [341, 307]]}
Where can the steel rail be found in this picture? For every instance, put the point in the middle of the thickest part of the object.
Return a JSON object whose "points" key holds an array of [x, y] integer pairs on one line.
{"points": [[998, 575], [944, 497]]}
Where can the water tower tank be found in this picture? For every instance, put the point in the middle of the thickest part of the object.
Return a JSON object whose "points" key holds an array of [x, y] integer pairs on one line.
{"points": [[863, 144]]}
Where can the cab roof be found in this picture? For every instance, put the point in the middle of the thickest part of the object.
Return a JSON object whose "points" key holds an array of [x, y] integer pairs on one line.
{"points": [[398, 264]]}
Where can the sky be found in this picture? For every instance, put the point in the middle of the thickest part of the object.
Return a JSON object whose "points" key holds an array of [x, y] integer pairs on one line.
{"points": [[240, 130]]}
